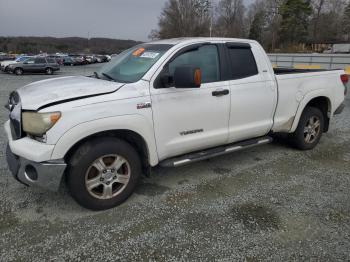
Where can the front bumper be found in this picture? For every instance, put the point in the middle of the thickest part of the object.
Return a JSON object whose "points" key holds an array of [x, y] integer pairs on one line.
{"points": [[10, 69], [44, 174]]}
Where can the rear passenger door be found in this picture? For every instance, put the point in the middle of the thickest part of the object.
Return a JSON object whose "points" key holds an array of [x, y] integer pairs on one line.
{"points": [[51, 62], [39, 64], [253, 100]]}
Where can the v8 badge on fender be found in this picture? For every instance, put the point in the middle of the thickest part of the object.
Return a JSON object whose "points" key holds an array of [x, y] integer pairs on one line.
{"points": [[144, 105]]}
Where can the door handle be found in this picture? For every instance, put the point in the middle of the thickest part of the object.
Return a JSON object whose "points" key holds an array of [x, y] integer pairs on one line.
{"points": [[221, 92]]}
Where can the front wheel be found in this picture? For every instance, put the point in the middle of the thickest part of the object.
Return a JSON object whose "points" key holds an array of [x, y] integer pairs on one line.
{"points": [[103, 173], [18, 71], [309, 130]]}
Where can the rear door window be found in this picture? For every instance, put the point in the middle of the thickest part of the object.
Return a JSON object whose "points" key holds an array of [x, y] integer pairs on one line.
{"points": [[40, 60], [243, 63], [51, 60]]}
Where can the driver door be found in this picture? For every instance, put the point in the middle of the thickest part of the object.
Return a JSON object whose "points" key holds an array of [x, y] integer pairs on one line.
{"points": [[190, 119], [29, 65]]}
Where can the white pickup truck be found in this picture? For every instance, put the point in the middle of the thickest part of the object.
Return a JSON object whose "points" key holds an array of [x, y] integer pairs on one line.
{"points": [[169, 102]]}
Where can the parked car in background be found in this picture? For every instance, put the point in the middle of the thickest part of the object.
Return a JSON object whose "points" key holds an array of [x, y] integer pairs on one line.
{"points": [[338, 49], [79, 59], [4, 57], [69, 61], [108, 57], [101, 59], [35, 65], [91, 59], [59, 59], [4, 64]]}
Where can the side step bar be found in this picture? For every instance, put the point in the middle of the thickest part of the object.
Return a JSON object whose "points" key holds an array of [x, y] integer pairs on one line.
{"points": [[212, 152]]}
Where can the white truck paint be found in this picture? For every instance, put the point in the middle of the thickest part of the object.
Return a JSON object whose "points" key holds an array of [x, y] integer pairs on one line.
{"points": [[172, 121]]}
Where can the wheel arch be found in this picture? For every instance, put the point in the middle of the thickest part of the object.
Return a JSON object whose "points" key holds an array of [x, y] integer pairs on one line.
{"points": [[322, 102], [133, 128], [133, 138], [18, 67]]}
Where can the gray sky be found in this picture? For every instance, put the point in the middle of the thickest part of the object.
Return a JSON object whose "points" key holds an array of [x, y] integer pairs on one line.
{"points": [[123, 19]]}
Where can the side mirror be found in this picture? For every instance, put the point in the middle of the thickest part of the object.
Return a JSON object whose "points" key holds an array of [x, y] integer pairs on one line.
{"points": [[187, 77]]}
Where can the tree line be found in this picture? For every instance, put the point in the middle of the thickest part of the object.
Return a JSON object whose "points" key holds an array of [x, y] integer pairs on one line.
{"points": [[282, 25], [34, 45]]}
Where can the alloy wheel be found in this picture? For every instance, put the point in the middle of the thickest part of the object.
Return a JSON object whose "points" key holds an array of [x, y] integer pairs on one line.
{"points": [[312, 129], [107, 176]]}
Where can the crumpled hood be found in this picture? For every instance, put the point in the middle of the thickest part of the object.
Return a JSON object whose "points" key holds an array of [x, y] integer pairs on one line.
{"points": [[39, 94]]}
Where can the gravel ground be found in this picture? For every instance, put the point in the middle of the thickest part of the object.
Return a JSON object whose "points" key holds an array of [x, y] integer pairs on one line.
{"points": [[267, 203]]}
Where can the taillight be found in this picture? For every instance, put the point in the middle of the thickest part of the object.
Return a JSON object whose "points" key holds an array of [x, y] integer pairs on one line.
{"points": [[344, 78]]}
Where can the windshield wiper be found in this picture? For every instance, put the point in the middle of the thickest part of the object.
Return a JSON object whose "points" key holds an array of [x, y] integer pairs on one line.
{"points": [[96, 75], [109, 77]]}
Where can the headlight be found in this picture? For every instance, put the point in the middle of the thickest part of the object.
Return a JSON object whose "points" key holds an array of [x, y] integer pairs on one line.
{"points": [[39, 123]]}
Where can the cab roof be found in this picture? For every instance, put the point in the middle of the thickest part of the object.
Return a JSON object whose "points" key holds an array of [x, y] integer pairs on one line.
{"points": [[188, 40]]}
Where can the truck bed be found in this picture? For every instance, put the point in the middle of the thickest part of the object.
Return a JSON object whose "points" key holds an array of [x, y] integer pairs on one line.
{"points": [[287, 70], [294, 85]]}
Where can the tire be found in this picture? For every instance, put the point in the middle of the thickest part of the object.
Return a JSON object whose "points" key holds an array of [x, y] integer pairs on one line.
{"points": [[49, 71], [18, 71], [85, 167], [309, 130]]}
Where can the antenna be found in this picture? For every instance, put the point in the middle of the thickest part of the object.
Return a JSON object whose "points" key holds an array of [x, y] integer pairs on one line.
{"points": [[88, 48]]}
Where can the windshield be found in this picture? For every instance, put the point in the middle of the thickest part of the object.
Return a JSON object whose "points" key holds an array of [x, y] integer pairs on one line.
{"points": [[131, 65], [21, 59]]}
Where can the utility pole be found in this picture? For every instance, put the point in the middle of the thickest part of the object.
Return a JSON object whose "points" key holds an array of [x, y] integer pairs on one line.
{"points": [[211, 26], [88, 41], [211, 18]]}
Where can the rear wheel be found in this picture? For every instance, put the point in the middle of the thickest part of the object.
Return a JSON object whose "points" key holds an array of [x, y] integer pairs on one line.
{"points": [[309, 130], [18, 71], [103, 173], [49, 71]]}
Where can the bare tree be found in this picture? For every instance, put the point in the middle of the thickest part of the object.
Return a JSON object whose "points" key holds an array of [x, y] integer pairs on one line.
{"points": [[346, 24], [230, 18], [256, 19], [273, 21], [327, 22], [330, 22], [183, 18], [318, 6]]}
